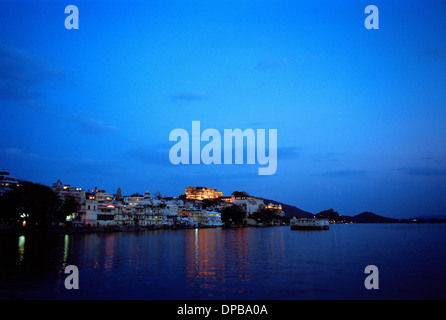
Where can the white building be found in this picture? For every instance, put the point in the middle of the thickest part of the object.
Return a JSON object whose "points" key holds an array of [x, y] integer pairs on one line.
{"points": [[66, 190], [250, 204], [103, 196], [146, 216], [7, 182], [100, 213], [136, 200]]}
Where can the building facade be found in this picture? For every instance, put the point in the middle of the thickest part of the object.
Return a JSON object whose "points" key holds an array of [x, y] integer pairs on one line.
{"points": [[249, 204], [7, 182], [201, 193]]}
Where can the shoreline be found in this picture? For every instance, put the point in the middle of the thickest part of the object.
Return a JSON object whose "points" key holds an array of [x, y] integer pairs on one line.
{"points": [[5, 230], [82, 230], [112, 229], [115, 229]]}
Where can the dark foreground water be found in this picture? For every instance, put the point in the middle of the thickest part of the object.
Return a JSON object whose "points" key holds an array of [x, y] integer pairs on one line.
{"points": [[249, 263]]}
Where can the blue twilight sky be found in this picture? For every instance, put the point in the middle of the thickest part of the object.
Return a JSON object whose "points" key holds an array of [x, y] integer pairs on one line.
{"points": [[360, 114]]}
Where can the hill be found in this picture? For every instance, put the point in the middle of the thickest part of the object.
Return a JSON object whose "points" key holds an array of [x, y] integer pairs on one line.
{"points": [[329, 214], [369, 217], [290, 211], [332, 215]]}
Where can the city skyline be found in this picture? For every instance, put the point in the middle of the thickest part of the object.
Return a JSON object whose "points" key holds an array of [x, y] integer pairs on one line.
{"points": [[360, 114]]}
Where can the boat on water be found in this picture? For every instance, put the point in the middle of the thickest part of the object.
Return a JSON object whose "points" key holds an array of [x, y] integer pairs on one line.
{"points": [[309, 224]]}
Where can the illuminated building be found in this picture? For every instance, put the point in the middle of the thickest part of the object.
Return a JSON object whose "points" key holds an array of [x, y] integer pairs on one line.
{"points": [[100, 213], [226, 199], [102, 195], [275, 207], [7, 182], [200, 216], [201, 193], [137, 199], [65, 190]]}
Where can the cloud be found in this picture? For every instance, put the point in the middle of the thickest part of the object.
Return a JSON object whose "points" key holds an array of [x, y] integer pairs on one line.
{"points": [[39, 162], [423, 171], [151, 154], [159, 155], [80, 169], [343, 174], [23, 77], [189, 96], [11, 152], [286, 153], [93, 126], [437, 53], [325, 157]]}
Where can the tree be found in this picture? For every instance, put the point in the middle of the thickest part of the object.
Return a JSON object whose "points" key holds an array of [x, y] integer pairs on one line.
{"points": [[69, 206], [329, 214], [263, 215], [267, 216], [232, 215], [205, 203], [240, 194], [36, 203]]}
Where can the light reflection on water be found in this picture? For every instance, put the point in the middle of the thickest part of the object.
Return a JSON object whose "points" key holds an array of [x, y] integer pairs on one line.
{"points": [[245, 263], [21, 249], [211, 261]]}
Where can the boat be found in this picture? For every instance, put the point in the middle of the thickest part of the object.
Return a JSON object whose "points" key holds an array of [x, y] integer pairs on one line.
{"points": [[309, 224]]}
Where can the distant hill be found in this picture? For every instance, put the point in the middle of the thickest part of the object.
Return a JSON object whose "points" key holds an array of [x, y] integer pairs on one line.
{"points": [[432, 217], [364, 217], [290, 211], [369, 217]]}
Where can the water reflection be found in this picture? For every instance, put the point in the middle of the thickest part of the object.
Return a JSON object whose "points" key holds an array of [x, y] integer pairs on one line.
{"points": [[109, 253], [246, 263], [213, 263], [66, 241], [276, 247], [241, 247], [21, 250], [209, 266]]}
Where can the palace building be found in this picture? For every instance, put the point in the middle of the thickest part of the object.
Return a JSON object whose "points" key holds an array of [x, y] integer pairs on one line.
{"points": [[201, 193]]}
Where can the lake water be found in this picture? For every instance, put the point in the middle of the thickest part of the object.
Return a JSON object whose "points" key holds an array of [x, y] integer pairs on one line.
{"points": [[273, 263]]}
